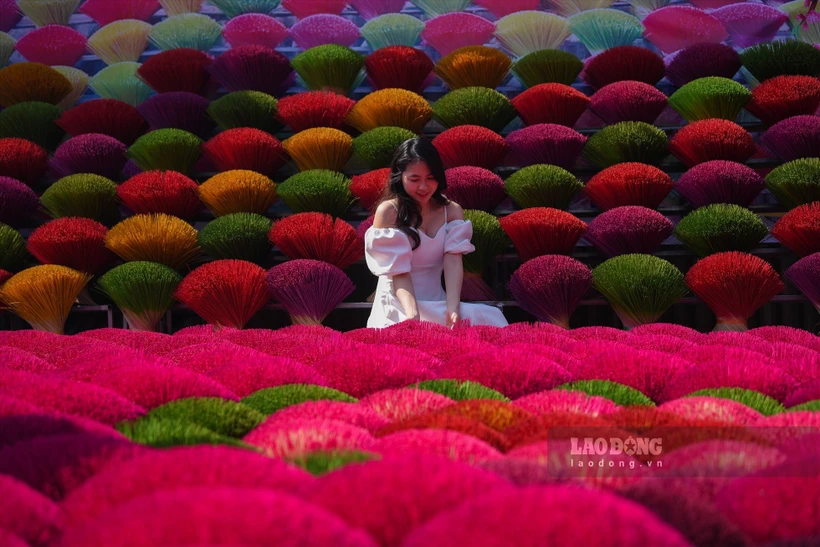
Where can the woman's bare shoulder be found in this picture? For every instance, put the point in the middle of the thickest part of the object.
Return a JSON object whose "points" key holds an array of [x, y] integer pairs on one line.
{"points": [[386, 215], [454, 211]]}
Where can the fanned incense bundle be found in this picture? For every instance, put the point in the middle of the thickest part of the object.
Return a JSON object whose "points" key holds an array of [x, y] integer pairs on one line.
{"points": [[106, 116], [319, 148], [551, 103], [392, 29], [317, 190], [6, 48], [707, 140], [181, 69], [254, 29], [314, 109], [120, 81], [628, 101], [48, 12], [369, 9], [166, 150], [23, 160], [711, 97], [799, 229], [623, 63], [542, 186], [178, 110], [142, 291], [76, 243], [451, 31], [401, 67], [306, 8], [83, 195], [369, 187], [626, 142], [627, 230], [323, 28], [475, 188], [804, 274], [529, 31], [542, 231], [700, 61], [178, 7], [34, 122], [796, 183], [92, 153], [52, 45], [390, 107], [781, 58], [793, 138], [166, 192], [489, 241], [238, 191], [677, 27], [226, 293], [246, 109], [330, 68], [547, 66], [734, 285], [189, 30], [602, 29], [434, 8], [120, 41], [317, 236], [154, 238], [720, 181], [253, 68], [470, 145], [550, 287], [377, 147], [245, 148], [629, 184], [105, 12], [243, 236], [640, 288], [43, 295], [235, 8], [545, 143], [24, 82], [79, 83], [14, 249], [750, 24], [308, 289], [479, 66], [782, 97], [474, 106], [720, 227]]}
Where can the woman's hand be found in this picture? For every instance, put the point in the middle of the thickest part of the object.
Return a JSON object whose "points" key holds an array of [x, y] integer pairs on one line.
{"points": [[453, 316]]}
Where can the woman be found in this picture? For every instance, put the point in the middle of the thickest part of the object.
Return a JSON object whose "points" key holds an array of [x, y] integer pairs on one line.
{"points": [[417, 233]]}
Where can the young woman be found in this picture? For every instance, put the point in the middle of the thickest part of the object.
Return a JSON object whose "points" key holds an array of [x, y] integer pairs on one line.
{"points": [[417, 233]]}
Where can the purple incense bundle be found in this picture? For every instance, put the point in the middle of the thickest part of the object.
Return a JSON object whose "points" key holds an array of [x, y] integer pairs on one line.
{"points": [[253, 68], [805, 275], [720, 181], [545, 143], [17, 202], [475, 188], [749, 24], [323, 28], [793, 138], [178, 110], [627, 101], [628, 229], [91, 153]]}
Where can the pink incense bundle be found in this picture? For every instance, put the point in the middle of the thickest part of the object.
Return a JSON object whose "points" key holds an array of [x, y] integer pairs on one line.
{"points": [[627, 101], [734, 285], [629, 184], [793, 138], [92, 153], [541, 231], [628, 229], [471, 145], [551, 287], [401, 67], [701, 61], [370, 9], [805, 275], [545, 143], [749, 24], [475, 188], [310, 109], [165, 192], [323, 28], [254, 29], [105, 11], [369, 187], [714, 139], [253, 68], [799, 229], [306, 8], [500, 8], [451, 31], [308, 289], [782, 97], [676, 27], [52, 45], [720, 181], [550, 103], [246, 148]]}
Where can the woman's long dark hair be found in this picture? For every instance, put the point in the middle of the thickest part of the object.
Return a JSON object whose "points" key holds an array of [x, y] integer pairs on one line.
{"points": [[409, 152]]}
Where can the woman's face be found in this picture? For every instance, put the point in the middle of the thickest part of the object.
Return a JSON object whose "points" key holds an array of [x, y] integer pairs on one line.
{"points": [[418, 182]]}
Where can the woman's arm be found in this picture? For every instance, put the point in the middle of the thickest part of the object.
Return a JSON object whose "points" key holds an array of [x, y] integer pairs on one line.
{"points": [[385, 217], [453, 271]]}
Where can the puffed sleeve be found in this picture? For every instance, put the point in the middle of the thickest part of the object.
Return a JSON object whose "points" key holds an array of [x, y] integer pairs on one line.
{"points": [[387, 251], [457, 240]]}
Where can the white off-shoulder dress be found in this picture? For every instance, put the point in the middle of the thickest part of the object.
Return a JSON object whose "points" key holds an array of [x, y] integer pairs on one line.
{"points": [[388, 252]]}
